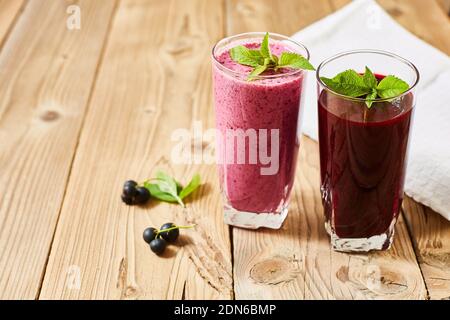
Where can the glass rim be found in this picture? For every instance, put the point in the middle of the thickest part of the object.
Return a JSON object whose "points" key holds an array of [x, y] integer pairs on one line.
{"points": [[250, 34], [375, 51]]}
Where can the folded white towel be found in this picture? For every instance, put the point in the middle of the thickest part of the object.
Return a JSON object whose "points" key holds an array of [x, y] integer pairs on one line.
{"points": [[363, 24]]}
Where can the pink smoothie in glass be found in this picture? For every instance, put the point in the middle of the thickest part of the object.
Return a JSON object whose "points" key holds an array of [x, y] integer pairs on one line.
{"points": [[265, 103]]}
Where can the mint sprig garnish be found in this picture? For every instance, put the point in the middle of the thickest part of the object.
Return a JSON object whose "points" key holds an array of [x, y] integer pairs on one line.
{"points": [[348, 83], [166, 188], [391, 86], [247, 57], [263, 59], [265, 48], [351, 83]]}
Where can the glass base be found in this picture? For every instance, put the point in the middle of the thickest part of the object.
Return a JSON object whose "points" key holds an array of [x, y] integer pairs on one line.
{"points": [[377, 242], [252, 220]]}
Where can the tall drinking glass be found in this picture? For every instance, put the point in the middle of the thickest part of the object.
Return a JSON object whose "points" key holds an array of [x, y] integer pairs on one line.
{"points": [[363, 152], [257, 125]]}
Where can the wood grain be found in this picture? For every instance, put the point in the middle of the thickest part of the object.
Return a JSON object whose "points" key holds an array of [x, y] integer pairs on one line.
{"points": [[445, 4], [99, 105], [155, 78], [429, 231], [431, 237], [297, 262], [425, 19], [9, 11], [45, 81], [248, 16]]}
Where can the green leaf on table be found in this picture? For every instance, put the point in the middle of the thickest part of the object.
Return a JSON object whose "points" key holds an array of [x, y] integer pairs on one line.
{"points": [[391, 86], [157, 193], [166, 188], [168, 185], [191, 187]]}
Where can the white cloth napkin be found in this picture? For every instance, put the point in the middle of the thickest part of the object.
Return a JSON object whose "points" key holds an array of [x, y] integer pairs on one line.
{"points": [[363, 24]]}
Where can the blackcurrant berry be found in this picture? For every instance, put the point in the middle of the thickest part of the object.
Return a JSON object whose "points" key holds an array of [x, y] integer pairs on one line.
{"points": [[172, 235], [158, 245], [142, 195], [129, 190], [149, 234], [128, 200], [130, 183]]}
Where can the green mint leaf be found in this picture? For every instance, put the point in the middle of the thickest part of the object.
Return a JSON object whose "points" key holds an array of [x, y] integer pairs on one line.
{"points": [[245, 56], [168, 185], [168, 181], [352, 84], [391, 87], [295, 61], [275, 60], [166, 188], [369, 78], [179, 187], [263, 59], [370, 97], [157, 193], [191, 187], [256, 54], [348, 83], [265, 48], [258, 70]]}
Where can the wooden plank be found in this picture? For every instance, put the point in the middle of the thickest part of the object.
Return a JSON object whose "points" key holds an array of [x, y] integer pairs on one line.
{"points": [[248, 16], [423, 18], [431, 237], [155, 78], [46, 73], [445, 4], [300, 263], [338, 4], [9, 11], [297, 262], [430, 232]]}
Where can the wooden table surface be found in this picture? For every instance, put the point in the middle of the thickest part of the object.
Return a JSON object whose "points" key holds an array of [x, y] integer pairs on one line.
{"points": [[83, 110]]}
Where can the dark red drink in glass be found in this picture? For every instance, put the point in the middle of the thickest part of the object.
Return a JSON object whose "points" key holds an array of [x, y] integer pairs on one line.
{"points": [[363, 154]]}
